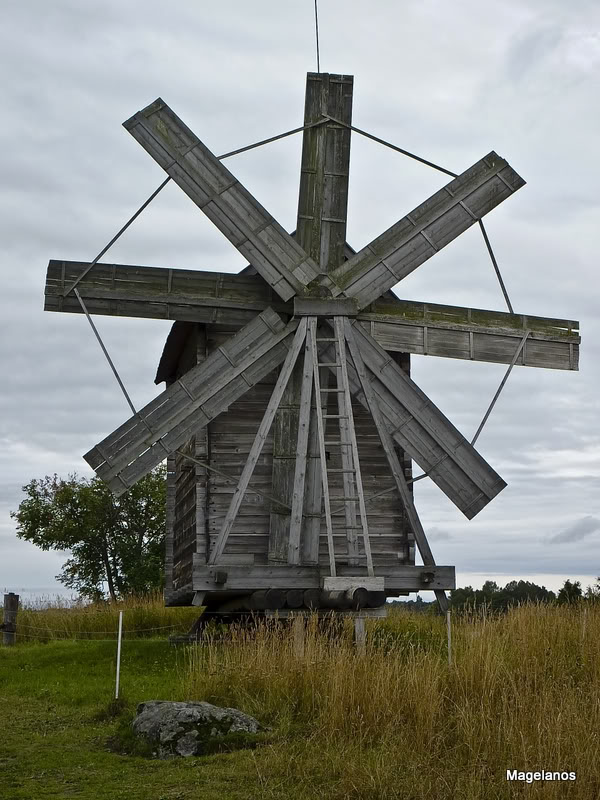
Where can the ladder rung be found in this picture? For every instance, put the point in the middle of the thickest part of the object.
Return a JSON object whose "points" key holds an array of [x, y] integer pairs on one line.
{"points": [[335, 416], [337, 441], [353, 471], [339, 391], [335, 498], [327, 340], [328, 364]]}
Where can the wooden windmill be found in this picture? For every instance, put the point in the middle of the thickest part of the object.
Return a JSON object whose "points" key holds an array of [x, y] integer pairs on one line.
{"points": [[289, 421]]}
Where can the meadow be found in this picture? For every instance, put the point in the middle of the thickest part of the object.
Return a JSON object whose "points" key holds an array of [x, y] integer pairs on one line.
{"points": [[391, 721]]}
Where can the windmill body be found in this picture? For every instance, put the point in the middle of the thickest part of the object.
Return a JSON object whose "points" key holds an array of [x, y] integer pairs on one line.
{"points": [[289, 420]]}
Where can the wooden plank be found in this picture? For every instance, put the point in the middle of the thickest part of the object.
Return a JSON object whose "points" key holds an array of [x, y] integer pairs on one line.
{"points": [[294, 552], [159, 293], [257, 446], [401, 577], [314, 490], [427, 229], [214, 189], [472, 333], [309, 307], [169, 420]]}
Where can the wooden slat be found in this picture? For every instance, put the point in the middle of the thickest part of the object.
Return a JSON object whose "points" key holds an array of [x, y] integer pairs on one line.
{"points": [[160, 293], [214, 189], [427, 229], [191, 402]]}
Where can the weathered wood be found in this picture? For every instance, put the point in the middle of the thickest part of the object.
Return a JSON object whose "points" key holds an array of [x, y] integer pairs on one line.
{"points": [[321, 442], [390, 451], [345, 409], [190, 403], [261, 435], [234, 299], [294, 552], [294, 598], [427, 229], [312, 598], [9, 623], [308, 307], [398, 577], [214, 189], [421, 429], [324, 170]]}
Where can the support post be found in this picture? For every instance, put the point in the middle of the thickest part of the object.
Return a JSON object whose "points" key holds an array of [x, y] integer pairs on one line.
{"points": [[119, 637], [9, 626], [449, 629], [299, 631], [360, 633]]}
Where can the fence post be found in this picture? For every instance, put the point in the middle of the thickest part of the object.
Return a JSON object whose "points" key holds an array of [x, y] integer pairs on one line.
{"points": [[119, 655], [449, 630], [9, 627]]}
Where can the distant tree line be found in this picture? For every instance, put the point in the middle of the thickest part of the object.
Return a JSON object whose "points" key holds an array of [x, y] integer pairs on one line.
{"points": [[501, 598]]}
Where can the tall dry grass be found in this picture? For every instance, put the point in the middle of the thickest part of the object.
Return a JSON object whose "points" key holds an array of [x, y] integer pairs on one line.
{"points": [[395, 720], [142, 616]]}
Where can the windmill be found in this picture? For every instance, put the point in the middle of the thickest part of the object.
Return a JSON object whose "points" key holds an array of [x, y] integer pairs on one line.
{"points": [[289, 421]]}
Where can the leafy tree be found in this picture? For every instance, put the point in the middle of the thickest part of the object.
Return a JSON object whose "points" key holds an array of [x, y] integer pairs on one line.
{"points": [[570, 592], [114, 542]]}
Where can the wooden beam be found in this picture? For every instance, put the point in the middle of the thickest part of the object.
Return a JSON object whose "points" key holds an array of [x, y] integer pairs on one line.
{"points": [[160, 293], [215, 190], [427, 229], [191, 402], [259, 441], [247, 578], [231, 299]]}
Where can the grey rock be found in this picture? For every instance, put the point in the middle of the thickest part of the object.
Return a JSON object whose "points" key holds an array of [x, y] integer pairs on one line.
{"points": [[189, 729]]}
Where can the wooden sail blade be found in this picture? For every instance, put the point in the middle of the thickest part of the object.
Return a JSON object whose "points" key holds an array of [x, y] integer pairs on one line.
{"points": [[421, 429], [248, 226], [427, 229], [392, 457], [472, 334], [159, 293], [191, 402]]}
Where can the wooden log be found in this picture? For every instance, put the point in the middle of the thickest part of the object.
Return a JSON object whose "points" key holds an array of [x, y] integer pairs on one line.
{"points": [[357, 598], [337, 599], [427, 229], [9, 625], [264, 599], [312, 598], [294, 598], [376, 599]]}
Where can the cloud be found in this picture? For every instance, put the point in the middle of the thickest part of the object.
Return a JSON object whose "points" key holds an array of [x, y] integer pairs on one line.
{"points": [[577, 531]]}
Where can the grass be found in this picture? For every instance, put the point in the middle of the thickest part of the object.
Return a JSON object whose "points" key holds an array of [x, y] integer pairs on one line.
{"points": [[393, 721]]}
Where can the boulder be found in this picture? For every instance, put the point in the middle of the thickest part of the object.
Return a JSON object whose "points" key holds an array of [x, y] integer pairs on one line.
{"points": [[191, 729]]}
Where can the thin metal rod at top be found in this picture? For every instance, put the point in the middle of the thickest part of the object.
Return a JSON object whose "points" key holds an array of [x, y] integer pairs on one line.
{"points": [[317, 35]]}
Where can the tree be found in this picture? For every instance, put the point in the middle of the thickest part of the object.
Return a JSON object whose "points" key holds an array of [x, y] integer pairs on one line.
{"points": [[114, 542], [570, 592]]}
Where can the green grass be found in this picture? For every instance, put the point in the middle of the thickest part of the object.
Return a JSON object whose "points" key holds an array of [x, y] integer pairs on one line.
{"points": [[392, 722]]}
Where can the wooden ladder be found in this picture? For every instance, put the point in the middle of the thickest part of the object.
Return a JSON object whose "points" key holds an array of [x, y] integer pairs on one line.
{"points": [[350, 469]]}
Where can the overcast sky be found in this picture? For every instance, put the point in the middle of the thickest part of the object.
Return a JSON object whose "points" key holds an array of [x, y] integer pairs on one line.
{"points": [[450, 81]]}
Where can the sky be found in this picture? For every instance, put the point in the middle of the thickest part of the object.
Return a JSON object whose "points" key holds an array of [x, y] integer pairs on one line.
{"points": [[449, 81]]}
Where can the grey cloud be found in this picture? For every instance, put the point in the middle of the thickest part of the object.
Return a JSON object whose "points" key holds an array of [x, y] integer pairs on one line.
{"points": [[577, 531]]}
